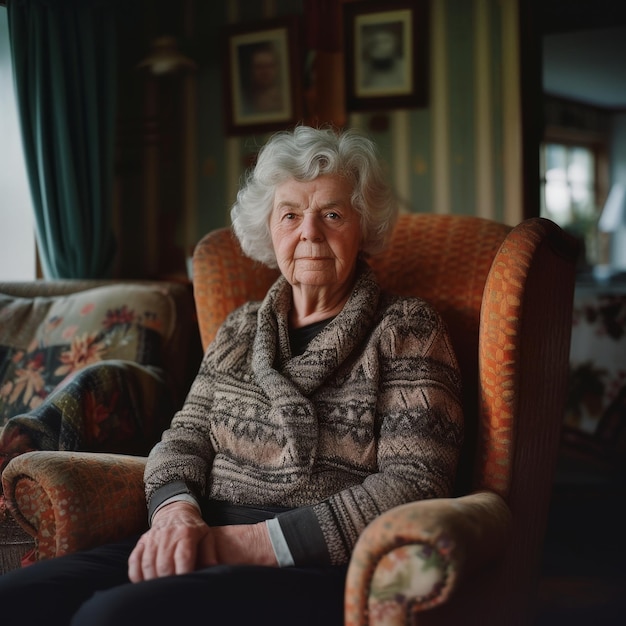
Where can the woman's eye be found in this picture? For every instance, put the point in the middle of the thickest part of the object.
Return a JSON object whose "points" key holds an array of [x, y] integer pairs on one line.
{"points": [[332, 215]]}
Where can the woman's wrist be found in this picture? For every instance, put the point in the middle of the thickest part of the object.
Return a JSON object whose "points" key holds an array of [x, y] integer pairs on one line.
{"points": [[186, 498]]}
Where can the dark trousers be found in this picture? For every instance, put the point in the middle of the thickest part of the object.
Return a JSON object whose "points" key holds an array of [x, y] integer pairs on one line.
{"points": [[91, 588]]}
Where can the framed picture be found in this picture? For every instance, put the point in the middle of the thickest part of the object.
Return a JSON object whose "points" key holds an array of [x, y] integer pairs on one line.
{"points": [[386, 54], [262, 74]]}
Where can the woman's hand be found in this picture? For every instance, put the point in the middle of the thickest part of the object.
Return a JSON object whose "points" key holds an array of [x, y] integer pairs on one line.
{"points": [[180, 542], [171, 545], [241, 544]]}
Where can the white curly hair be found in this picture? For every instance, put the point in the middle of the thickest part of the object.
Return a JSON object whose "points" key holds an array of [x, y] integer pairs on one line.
{"points": [[304, 154]]}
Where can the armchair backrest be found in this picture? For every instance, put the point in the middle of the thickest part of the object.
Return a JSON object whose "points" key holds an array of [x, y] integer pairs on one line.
{"points": [[500, 290], [506, 294]]}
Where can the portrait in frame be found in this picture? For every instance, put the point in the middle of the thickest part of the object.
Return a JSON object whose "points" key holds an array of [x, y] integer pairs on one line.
{"points": [[262, 76], [386, 54]]}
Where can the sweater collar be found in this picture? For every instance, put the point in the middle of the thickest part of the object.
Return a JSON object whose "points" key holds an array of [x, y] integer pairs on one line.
{"points": [[326, 352]]}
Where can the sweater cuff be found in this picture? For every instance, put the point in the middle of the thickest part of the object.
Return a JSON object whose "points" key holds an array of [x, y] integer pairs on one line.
{"points": [[279, 545], [304, 537], [166, 492], [182, 497]]}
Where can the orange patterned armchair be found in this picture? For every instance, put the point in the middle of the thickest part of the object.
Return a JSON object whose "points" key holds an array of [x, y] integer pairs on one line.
{"points": [[506, 294]]}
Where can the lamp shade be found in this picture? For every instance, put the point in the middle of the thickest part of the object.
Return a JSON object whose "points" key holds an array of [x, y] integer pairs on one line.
{"points": [[613, 221], [614, 212], [165, 58]]}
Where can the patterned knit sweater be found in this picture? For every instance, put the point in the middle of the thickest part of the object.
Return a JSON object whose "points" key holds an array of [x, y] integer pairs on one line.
{"points": [[367, 418]]}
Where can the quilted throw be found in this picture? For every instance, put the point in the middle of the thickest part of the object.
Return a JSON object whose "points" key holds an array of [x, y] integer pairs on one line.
{"points": [[83, 371]]}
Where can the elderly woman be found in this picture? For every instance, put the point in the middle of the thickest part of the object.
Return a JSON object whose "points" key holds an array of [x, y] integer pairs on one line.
{"points": [[313, 411]]}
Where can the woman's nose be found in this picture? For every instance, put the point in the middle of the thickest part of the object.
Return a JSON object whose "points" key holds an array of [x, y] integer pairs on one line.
{"points": [[311, 228]]}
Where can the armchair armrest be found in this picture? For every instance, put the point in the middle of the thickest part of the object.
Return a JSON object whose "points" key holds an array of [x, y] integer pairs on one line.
{"points": [[70, 501], [411, 558]]}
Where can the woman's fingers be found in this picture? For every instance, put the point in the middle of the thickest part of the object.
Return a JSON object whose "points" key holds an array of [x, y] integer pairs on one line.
{"points": [[171, 546]]}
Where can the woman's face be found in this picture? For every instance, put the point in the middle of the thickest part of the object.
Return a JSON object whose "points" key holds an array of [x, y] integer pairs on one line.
{"points": [[315, 232]]}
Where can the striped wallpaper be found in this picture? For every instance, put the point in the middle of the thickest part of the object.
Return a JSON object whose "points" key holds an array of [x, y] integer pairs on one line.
{"points": [[460, 154]]}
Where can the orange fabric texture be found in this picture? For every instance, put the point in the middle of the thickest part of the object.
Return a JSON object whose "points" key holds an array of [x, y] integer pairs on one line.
{"points": [[437, 540], [104, 490]]}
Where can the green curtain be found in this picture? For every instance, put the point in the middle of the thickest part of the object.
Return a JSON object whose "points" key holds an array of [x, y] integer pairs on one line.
{"points": [[64, 66]]}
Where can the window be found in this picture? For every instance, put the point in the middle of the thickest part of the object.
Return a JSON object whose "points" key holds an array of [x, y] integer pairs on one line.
{"points": [[571, 193], [569, 184], [574, 175], [17, 238]]}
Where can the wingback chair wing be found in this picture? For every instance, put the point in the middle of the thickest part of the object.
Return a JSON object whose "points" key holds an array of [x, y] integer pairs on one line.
{"points": [[506, 295]]}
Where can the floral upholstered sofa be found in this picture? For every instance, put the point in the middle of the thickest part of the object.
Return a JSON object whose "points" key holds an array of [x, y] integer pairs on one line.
{"points": [[94, 366]]}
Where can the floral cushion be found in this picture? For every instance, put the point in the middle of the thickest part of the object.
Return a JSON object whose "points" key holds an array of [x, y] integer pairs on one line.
{"points": [[43, 340], [85, 370]]}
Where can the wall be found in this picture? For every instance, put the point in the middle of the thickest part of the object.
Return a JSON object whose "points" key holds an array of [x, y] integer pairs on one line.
{"points": [[618, 148], [461, 153]]}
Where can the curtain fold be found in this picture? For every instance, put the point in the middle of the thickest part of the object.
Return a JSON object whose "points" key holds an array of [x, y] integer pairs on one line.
{"points": [[64, 62]]}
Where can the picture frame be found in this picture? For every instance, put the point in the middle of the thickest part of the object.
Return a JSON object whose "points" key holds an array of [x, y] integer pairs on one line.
{"points": [[262, 76], [386, 54]]}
